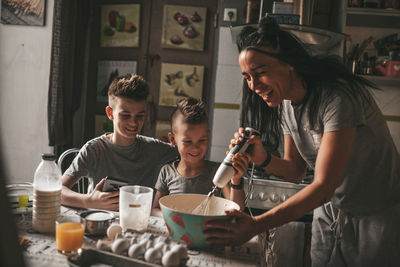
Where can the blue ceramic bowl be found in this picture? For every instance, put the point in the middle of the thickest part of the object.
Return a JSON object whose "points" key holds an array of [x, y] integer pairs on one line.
{"points": [[183, 225]]}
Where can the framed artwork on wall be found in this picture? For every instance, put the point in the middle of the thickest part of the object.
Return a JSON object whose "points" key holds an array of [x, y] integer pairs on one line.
{"points": [[120, 25], [23, 12], [103, 125], [107, 70], [179, 81], [183, 27], [162, 130]]}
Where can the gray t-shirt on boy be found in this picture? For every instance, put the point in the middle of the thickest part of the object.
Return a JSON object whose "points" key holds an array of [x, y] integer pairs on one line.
{"points": [[138, 164], [371, 181], [172, 182]]}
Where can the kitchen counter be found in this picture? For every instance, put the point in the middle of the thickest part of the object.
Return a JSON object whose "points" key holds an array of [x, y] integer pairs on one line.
{"points": [[41, 250]]}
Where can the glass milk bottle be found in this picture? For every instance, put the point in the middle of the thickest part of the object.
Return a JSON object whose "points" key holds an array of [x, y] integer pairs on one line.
{"points": [[46, 194]]}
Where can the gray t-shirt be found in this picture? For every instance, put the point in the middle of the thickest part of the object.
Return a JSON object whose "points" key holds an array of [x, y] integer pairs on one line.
{"points": [[371, 181], [138, 164], [172, 182]]}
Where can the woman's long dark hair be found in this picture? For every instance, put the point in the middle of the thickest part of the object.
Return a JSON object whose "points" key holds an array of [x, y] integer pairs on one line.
{"points": [[317, 72]]}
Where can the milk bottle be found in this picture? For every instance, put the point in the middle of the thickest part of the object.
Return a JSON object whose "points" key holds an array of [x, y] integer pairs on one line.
{"points": [[46, 194]]}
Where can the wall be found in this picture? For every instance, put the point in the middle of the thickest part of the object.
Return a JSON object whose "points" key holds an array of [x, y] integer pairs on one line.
{"points": [[24, 81], [228, 95]]}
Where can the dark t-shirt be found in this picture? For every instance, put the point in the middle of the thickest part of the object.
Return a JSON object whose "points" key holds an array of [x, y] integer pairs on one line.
{"points": [[172, 182], [138, 164]]}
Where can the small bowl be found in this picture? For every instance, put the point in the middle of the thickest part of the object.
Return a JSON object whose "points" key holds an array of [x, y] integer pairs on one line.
{"points": [[183, 225], [97, 221]]}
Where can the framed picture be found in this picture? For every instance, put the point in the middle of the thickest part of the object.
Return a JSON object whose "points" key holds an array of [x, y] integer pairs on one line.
{"points": [[120, 25], [103, 125], [179, 81], [162, 130], [23, 12], [107, 71], [183, 27]]}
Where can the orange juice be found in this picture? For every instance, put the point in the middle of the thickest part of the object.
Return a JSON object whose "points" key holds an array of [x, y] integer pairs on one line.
{"points": [[69, 236]]}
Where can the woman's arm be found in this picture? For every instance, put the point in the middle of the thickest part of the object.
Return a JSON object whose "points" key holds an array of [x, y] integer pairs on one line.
{"points": [[155, 209], [331, 161], [291, 167]]}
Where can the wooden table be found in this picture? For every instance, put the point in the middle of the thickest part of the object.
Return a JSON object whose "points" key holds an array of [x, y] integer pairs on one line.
{"points": [[42, 250]]}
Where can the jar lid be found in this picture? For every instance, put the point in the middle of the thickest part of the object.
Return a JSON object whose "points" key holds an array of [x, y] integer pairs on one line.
{"points": [[48, 157]]}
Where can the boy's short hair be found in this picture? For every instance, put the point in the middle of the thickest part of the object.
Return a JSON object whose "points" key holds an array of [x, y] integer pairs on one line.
{"points": [[194, 111], [130, 86]]}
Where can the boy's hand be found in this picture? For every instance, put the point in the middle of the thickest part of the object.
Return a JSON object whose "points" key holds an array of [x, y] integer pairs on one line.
{"points": [[102, 200], [240, 162]]}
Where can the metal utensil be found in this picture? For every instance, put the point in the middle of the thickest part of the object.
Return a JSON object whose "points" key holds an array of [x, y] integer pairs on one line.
{"points": [[97, 226]]}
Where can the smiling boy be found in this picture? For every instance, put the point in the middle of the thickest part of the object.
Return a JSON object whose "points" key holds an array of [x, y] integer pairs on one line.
{"points": [[122, 154], [192, 173]]}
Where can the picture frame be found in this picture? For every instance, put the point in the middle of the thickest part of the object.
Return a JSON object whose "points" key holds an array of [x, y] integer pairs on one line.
{"points": [[107, 70], [120, 25], [178, 81], [102, 125], [184, 27], [23, 12]]}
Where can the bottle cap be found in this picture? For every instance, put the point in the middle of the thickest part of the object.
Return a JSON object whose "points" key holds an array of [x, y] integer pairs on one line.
{"points": [[48, 157]]}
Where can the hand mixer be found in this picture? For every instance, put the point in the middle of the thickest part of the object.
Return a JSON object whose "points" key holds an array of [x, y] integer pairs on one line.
{"points": [[226, 170]]}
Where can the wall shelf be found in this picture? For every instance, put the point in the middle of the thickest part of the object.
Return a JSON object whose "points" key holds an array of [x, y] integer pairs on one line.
{"points": [[383, 80], [372, 11]]}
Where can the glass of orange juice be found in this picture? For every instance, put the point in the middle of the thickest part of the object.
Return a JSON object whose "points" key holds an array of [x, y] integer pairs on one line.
{"points": [[69, 234]]}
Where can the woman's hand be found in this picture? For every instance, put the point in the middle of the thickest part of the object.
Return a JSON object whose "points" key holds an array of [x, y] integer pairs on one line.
{"points": [[241, 230], [240, 162], [257, 153], [98, 199]]}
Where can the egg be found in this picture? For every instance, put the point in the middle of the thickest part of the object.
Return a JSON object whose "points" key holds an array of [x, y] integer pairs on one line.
{"points": [[160, 246], [113, 230], [182, 250], [120, 246], [171, 258], [152, 255], [136, 251], [104, 244]]}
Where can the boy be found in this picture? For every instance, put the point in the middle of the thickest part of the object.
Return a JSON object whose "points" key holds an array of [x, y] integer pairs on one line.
{"points": [[192, 173], [122, 154]]}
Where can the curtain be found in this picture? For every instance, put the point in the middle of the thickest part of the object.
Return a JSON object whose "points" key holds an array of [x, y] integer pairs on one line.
{"points": [[68, 69]]}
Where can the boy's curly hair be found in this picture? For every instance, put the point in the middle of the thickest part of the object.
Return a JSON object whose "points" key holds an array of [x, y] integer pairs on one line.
{"points": [[194, 111], [130, 86]]}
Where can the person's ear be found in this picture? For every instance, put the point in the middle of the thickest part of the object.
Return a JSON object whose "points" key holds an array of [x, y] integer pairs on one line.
{"points": [[109, 113], [171, 138]]}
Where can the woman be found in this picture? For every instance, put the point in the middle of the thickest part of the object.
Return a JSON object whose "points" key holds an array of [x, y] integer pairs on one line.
{"points": [[331, 124]]}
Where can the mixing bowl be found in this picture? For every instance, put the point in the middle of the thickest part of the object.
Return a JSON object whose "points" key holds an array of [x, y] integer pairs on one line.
{"points": [[184, 225]]}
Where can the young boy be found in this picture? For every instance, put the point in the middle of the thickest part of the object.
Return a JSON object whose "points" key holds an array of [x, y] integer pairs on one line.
{"points": [[122, 154], [192, 173]]}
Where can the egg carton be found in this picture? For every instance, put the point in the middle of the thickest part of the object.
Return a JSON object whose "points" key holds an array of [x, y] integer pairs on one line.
{"points": [[152, 248]]}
